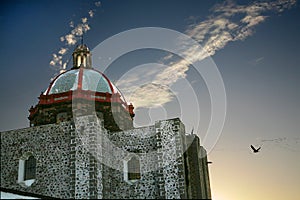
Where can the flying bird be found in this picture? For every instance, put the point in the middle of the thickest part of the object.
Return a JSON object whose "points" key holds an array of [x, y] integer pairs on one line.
{"points": [[255, 150]]}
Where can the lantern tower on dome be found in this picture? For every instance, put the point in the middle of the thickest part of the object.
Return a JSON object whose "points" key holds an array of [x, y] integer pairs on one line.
{"points": [[82, 90]]}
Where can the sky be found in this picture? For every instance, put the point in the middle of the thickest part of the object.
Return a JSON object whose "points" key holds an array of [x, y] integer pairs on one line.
{"points": [[253, 44]]}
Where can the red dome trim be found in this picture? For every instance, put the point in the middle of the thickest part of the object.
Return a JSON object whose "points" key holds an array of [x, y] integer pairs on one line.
{"points": [[79, 93], [80, 77]]}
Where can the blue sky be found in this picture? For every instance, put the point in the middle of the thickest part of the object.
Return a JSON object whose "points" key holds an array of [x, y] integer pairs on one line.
{"points": [[260, 70]]}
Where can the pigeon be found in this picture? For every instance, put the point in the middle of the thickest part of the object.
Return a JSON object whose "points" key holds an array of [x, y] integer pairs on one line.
{"points": [[255, 150]]}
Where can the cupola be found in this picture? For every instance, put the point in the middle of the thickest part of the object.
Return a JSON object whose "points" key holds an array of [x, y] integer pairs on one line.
{"points": [[82, 84], [82, 57]]}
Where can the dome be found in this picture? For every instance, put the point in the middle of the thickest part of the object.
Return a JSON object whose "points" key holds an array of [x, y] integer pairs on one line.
{"points": [[88, 80], [83, 84], [83, 79]]}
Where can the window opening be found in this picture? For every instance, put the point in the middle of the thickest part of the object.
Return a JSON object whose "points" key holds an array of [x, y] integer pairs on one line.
{"points": [[30, 168], [134, 168]]}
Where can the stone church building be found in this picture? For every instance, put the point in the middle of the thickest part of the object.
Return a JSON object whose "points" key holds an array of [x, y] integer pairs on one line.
{"points": [[81, 144]]}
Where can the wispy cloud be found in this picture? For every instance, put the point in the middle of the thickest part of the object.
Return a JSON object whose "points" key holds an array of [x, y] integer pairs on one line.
{"points": [[70, 39], [259, 59], [142, 81], [62, 51], [277, 140], [231, 22], [91, 13], [98, 3], [290, 144], [228, 22]]}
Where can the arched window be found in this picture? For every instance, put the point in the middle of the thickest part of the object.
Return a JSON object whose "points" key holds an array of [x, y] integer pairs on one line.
{"points": [[134, 169], [30, 167], [27, 170]]}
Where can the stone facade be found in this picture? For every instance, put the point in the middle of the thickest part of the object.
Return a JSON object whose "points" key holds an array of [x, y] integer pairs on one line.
{"points": [[81, 159], [115, 116], [81, 144], [50, 145]]}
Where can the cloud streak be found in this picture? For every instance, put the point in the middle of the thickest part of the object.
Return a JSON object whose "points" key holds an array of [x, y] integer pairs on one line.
{"points": [[228, 22], [291, 144], [70, 39], [231, 22]]}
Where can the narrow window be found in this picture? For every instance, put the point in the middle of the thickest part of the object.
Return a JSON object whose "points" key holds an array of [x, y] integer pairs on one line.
{"points": [[134, 169], [78, 60], [27, 170], [30, 167]]}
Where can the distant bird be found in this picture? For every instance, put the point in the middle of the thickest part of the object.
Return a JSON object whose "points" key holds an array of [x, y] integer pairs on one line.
{"points": [[255, 150]]}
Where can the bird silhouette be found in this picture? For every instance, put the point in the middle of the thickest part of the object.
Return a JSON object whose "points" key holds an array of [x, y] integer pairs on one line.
{"points": [[255, 150]]}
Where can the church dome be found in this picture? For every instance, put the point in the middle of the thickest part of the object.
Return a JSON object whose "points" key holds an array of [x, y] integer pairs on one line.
{"points": [[85, 79], [74, 89]]}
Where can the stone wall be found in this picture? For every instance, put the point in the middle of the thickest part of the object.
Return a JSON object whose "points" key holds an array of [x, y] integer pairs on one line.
{"points": [[160, 149], [83, 160], [140, 142], [206, 194], [171, 173], [115, 116], [49, 145], [87, 162]]}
